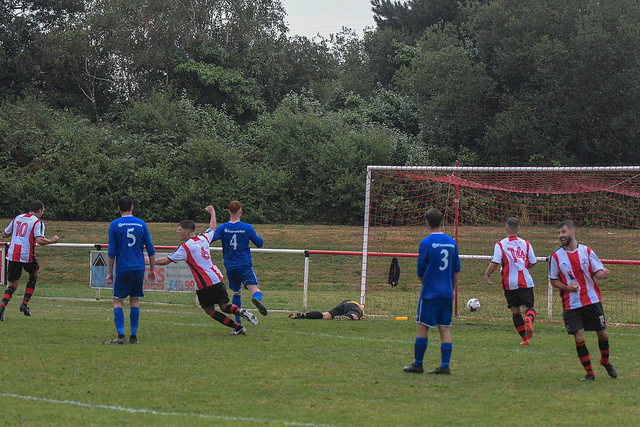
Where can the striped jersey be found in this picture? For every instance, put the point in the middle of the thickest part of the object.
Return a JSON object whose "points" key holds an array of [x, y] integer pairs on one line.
{"points": [[577, 266], [515, 255], [197, 254], [24, 229]]}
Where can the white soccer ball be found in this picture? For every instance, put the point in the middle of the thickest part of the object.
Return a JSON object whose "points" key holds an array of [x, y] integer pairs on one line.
{"points": [[473, 304]]}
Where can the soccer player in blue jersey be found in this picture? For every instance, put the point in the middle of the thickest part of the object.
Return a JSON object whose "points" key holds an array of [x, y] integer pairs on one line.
{"points": [[128, 236], [439, 270], [235, 236]]}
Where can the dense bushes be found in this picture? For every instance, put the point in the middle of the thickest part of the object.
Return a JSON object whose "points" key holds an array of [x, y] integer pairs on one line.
{"points": [[299, 164]]}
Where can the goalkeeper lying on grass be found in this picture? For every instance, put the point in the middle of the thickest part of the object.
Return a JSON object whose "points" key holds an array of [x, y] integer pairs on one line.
{"points": [[346, 310]]}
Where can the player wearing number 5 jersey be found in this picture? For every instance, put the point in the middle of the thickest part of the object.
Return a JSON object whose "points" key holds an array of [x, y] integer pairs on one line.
{"points": [[516, 257], [210, 289], [235, 236], [25, 231], [128, 236], [439, 270], [574, 268]]}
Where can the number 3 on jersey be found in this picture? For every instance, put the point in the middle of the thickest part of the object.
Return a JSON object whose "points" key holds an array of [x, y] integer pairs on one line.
{"points": [[234, 242], [445, 260]]}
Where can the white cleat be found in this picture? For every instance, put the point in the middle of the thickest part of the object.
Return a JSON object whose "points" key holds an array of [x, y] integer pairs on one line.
{"points": [[249, 316]]}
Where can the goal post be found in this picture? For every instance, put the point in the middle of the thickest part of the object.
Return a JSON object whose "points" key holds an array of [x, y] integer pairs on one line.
{"points": [[603, 202]]}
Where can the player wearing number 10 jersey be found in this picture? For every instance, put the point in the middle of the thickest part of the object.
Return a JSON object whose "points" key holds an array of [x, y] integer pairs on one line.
{"points": [[235, 236], [516, 257], [439, 270]]}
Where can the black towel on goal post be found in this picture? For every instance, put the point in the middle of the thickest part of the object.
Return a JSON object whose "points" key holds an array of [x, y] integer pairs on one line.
{"points": [[394, 272]]}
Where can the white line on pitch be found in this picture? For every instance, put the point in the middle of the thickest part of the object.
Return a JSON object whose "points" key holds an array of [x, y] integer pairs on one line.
{"points": [[163, 413]]}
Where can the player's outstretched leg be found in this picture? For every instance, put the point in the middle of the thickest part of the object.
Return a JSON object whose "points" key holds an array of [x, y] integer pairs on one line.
{"points": [[238, 329], [256, 299]]}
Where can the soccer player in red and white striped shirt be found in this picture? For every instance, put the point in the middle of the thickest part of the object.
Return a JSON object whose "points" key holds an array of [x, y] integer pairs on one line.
{"points": [[210, 287], [25, 231], [573, 269], [516, 257]]}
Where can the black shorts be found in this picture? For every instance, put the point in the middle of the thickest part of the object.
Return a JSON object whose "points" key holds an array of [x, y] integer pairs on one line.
{"points": [[346, 308], [14, 269], [212, 295], [519, 297], [589, 318]]}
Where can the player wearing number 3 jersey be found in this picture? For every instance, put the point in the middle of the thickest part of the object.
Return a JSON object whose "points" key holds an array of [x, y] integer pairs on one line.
{"points": [[128, 236], [235, 236], [439, 270], [516, 257], [210, 289]]}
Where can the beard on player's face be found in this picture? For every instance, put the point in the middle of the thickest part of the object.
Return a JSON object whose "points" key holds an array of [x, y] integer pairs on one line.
{"points": [[566, 240]]}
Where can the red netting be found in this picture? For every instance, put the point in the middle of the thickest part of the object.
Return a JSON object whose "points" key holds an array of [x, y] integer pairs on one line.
{"points": [[603, 203]]}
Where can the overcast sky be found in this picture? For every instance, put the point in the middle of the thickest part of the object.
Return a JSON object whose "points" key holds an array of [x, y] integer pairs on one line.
{"points": [[310, 17]]}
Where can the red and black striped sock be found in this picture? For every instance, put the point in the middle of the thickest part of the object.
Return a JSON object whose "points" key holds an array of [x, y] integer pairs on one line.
{"points": [[8, 293], [28, 292], [233, 309], [604, 352], [216, 315], [531, 312], [518, 322], [585, 359]]}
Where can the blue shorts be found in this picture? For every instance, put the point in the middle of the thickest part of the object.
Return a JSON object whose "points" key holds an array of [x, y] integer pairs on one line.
{"points": [[241, 276], [435, 312], [128, 284]]}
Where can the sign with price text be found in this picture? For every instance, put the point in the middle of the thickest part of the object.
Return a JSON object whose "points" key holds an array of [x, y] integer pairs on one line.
{"points": [[173, 277]]}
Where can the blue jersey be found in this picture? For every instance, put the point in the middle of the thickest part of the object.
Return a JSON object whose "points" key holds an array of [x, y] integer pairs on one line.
{"points": [[235, 238], [127, 236], [438, 260]]}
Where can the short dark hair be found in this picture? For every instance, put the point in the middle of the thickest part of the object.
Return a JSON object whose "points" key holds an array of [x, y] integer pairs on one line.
{"points": [[513, 223], [434, 217], [187, 224], [35, 206], [568, 223], [125, 204]]}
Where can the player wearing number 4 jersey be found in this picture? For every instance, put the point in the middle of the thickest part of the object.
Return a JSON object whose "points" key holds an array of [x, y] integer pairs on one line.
{"points": [[235, 236], [573, 269], [439, 270], [25, 231], [516, 257], [210, 289]]}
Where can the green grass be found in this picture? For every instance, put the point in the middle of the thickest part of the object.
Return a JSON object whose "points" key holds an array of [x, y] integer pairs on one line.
{"points": [[187, 370]]}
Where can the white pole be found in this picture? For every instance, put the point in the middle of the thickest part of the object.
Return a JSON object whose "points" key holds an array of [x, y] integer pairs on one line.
{"points": [[549, 301], [365, 238], [305, 291]]}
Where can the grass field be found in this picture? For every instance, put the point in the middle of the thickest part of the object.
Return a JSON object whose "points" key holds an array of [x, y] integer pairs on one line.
{"points": [[187, 370]]}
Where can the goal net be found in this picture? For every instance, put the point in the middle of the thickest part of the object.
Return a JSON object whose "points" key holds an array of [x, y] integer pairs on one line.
{"points": [[603, 202]]}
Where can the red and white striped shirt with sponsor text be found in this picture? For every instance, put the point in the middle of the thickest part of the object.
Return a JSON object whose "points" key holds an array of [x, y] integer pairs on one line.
{"points": [[24, 229], [577, 266], [197, 254], [515, 255]]}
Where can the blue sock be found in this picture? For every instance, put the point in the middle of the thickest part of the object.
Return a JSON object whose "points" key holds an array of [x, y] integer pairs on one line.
{"points": [[118, 318], [258, 296], [419, 348], [236, 300], [134, 317], [445, 353]]}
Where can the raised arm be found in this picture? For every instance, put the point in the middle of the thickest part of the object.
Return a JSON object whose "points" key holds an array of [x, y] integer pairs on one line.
{"points": [[212, 221]]}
